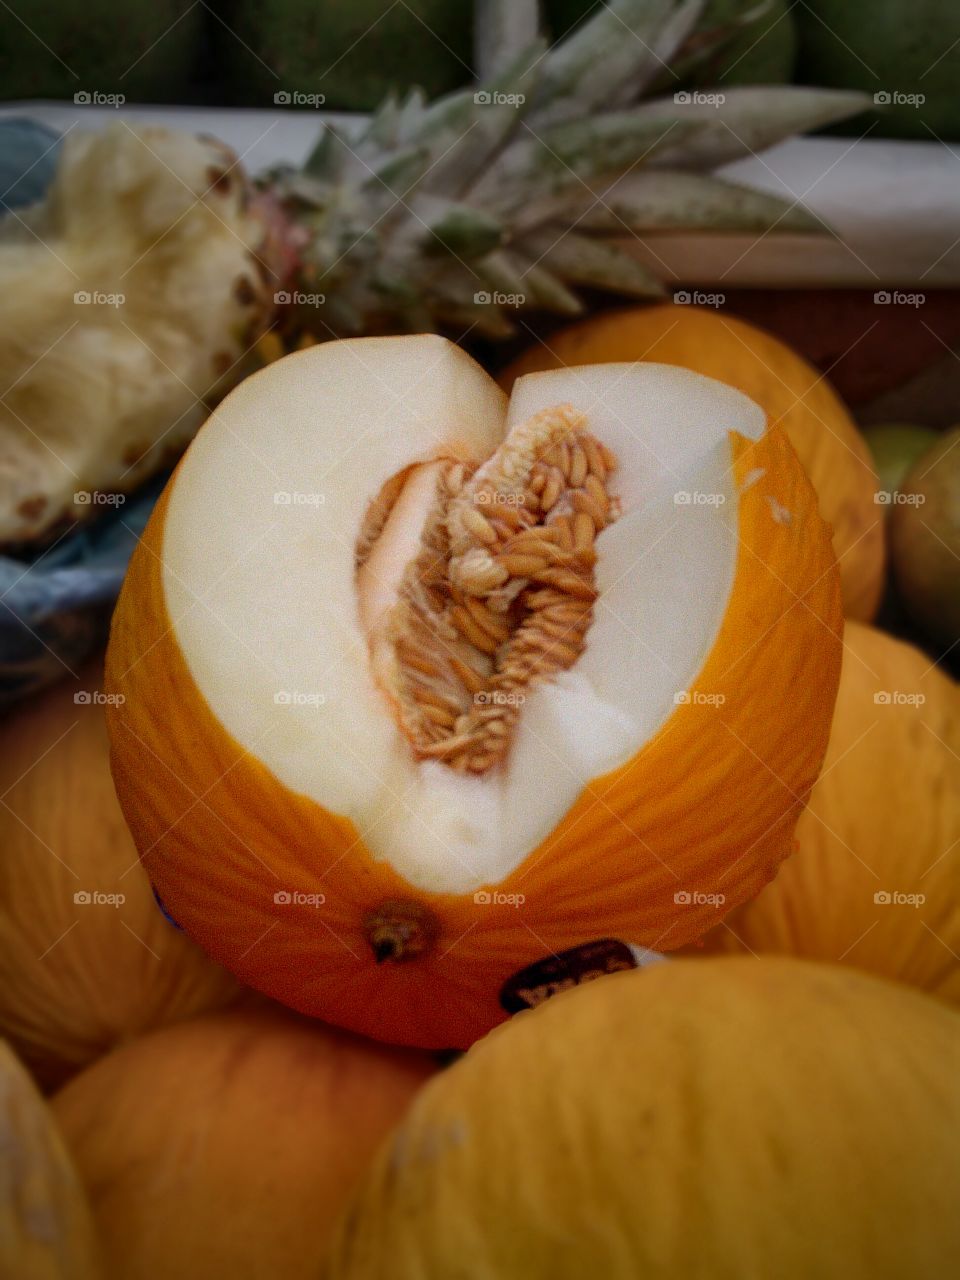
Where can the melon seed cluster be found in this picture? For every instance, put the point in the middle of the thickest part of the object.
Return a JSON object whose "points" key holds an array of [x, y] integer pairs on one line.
{"points": [[501, 594]]}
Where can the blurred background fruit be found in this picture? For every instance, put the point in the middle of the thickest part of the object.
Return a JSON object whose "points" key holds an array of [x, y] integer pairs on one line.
{"points": [[353, 52], [46, 1229], [228, 1145], [59, 49], [761, 49], [873, 883], [891, 49], [87, 960], [895, 447], [762, 53], [925, 540], [834, 454], [732, 1117]]}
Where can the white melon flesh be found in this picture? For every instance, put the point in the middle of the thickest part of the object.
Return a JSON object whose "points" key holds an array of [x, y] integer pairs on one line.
{"points": [[261, 583]]}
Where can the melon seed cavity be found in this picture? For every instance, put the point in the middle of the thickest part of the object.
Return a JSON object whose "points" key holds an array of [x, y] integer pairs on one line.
{"points": [[500, 596]]}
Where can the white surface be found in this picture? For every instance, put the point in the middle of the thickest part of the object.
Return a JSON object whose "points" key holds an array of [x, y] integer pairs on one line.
{"points": [[894, 206], [262, 138]]}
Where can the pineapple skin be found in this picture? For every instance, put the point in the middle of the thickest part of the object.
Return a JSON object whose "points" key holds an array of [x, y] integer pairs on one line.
{"points": [[132, 296]]}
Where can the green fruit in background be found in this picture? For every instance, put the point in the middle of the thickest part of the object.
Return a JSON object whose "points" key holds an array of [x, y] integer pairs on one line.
{"points": [[563, 15], [887, 47], [762, 52], [925, 540], [147, 52], [896, 446], [354, 52]]}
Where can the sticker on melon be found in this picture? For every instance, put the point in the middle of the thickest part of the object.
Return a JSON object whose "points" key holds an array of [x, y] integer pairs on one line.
{"points": [[421, 684]]}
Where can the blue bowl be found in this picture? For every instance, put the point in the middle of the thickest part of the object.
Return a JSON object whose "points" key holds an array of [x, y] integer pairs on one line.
{"points": [[56, 607]]}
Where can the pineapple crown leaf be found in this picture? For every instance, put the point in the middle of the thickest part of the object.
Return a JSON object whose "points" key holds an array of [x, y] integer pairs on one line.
{"points": [[465, 231], [748, 120], [611, 58], [675, 200], [501, 27], [524, 185], [593, 262]]}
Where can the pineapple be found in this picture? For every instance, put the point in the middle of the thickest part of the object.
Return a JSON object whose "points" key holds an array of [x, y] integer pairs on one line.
{"points": [[452, 215], [129, 298]]}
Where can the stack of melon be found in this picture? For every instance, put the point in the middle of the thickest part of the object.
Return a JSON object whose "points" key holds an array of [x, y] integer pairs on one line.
{"points": [[787, 1110]]}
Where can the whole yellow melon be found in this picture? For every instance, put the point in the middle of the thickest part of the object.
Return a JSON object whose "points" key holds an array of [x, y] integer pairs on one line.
{"points": [[792, 391], [226, 1146], [46, 1231], [86, 957], [759, 1119], [875, 880]]}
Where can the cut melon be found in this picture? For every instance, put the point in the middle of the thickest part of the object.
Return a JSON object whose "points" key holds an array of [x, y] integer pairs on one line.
{"points": [[405, 664]]}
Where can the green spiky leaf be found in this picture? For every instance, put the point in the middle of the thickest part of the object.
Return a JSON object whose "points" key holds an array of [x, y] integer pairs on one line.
{"points": [[521, 190], [466, 232], [596, 263]]}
